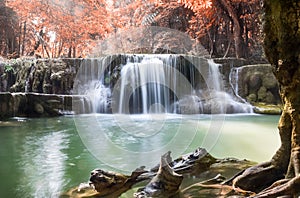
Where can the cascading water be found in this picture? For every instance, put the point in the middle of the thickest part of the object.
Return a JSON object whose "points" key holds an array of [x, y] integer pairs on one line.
{"points": [[217, 99], [155, 84], [234, 82], [90, 82], [152, 84], [146, 80]]}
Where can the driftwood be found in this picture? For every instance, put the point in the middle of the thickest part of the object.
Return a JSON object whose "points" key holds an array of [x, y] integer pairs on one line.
{"points": [[107, 184], [166, 178], [165, 184], [111, 183]]}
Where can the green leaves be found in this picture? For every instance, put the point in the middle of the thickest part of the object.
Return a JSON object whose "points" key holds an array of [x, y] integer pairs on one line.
{"points": [[9, 68]]}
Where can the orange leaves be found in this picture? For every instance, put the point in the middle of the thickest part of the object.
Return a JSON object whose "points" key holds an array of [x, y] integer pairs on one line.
{"points": [[196, 5], [80, 23], [72, 21]]}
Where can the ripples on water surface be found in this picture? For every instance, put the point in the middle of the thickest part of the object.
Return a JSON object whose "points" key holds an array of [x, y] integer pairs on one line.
{"points": [[44, 157]]}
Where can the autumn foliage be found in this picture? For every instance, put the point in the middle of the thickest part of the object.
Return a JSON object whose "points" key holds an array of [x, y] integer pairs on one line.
{"points": [[72, 28]]}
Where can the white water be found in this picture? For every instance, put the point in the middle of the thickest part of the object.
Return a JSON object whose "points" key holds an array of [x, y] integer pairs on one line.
{"points": [[90, 82], [234, 81], [142, 83], [156, 84], [218, 100]]}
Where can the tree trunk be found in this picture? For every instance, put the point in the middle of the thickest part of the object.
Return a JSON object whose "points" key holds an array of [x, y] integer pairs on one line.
{"points": [[282, 48], [23, 40], [237, 29]]}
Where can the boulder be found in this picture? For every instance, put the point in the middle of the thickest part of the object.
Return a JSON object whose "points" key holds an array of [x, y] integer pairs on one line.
{"points": [[262, 94], [255, 81], [190, 105], [269, 81], [252, 98]]}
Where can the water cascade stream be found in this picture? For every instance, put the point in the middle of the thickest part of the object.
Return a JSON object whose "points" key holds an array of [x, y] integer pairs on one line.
{"points": [[157, 83]]}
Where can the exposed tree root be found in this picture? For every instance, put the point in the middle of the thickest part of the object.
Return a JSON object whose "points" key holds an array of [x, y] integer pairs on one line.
{"points": [[217, 187], [258, 177], [284, 188]]}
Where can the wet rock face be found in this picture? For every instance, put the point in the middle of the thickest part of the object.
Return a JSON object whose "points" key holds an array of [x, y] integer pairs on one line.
{"points": [[257, 84], [7, 75], [49, 76], [37, 105], [6, 105], [3, 81]]}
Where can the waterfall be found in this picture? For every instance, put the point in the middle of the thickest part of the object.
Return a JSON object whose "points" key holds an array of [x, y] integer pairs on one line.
{"points": [[90, 82], [215, 99], [234, 81], [155, 83], [146, 80], [214, 76]]}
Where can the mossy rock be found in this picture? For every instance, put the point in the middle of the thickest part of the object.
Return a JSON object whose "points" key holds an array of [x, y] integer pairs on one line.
{"points": [[263, 108], [269, 81], [270, 98], [252, 98], [255, 81]]}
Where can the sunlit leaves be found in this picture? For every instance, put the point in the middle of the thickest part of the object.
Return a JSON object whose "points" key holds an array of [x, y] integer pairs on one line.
{"points": [[196, 5], [72, 21], [77, 25]]}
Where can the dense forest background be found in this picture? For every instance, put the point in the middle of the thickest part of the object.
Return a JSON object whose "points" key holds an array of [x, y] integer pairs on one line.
{"points": [[72, 28]]}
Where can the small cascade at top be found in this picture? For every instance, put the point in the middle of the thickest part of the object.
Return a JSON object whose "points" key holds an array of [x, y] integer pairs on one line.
{"points": [[156, 83], [256, 83], [234, 81]]}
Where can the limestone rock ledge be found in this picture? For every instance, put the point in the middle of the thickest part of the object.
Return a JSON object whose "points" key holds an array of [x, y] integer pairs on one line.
{"points": [[39, 105]]}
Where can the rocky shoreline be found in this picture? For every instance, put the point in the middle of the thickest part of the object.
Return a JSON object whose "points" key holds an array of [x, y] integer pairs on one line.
{"points": [[38, 105]]}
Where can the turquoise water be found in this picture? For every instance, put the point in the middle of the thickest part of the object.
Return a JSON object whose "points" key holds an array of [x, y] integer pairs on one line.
{"points": [[46, 156]]}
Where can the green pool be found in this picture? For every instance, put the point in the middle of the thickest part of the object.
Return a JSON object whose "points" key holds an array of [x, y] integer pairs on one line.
{"points": [[43, 157]]}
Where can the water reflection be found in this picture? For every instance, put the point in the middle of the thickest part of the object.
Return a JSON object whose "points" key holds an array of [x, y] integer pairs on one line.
{"points": [[42, 164]]}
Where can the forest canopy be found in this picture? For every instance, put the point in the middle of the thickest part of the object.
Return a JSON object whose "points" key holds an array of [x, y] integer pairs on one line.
{"points": [[72, 28]]}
